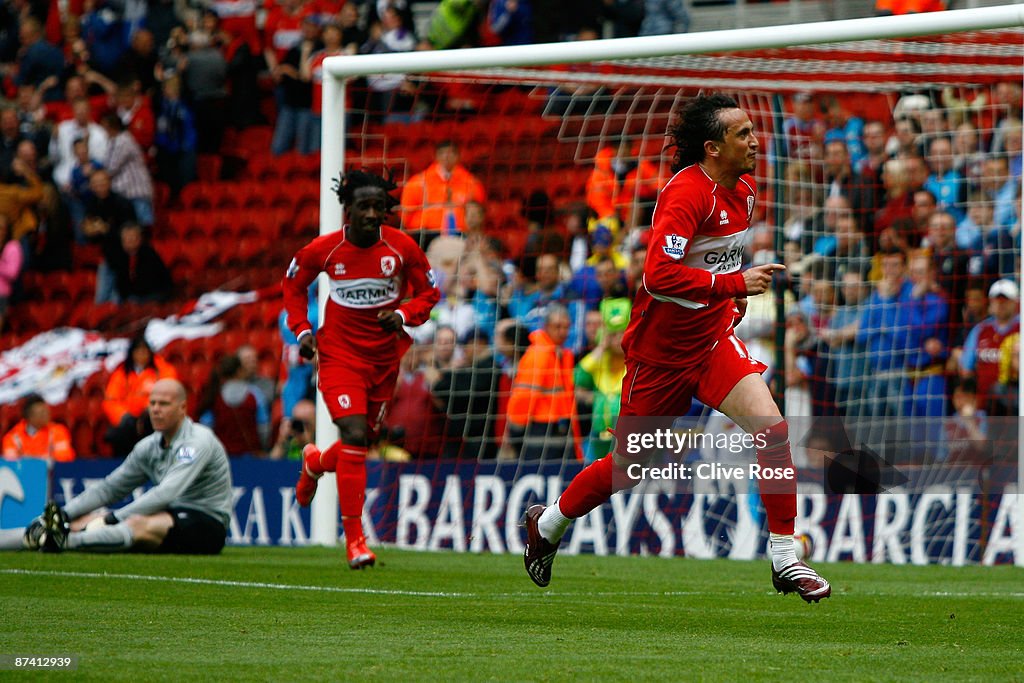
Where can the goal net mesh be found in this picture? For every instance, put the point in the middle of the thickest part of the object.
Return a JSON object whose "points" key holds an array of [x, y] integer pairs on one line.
{"points": [[888, 183]]}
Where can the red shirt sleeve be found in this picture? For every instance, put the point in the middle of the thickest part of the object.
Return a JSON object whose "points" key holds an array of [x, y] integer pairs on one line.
{"points": [[300, 274], [680, 212], [420, 286]]}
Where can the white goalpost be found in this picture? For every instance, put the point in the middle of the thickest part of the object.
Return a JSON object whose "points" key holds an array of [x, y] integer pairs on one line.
{"points": [[668, 61]]}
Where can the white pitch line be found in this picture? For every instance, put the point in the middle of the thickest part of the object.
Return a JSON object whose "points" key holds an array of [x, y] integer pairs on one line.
{"points": [[441, 594], [330, 589], [237, 584], [963, 594]]}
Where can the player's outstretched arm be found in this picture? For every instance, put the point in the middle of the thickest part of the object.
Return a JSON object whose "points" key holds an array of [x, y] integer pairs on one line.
{"points": [[759, 278], [111, 489]]}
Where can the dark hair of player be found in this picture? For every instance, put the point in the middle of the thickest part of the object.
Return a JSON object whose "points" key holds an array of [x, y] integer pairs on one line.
{"points": [[346, 184], [698, 122]]}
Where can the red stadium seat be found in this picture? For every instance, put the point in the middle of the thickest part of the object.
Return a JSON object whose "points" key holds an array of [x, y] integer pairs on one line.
{"points": [[83, 286], [252, 195], [307, 194], [197, 353], [208, 167], [290, 165], [268, 312], [54, 313], [222, 226], [100, 447], [276, 222], [256, 138], [307, 221], [264, 168], [232, 339], [96, 384], [101, 314], [225, 195], [86, 256], [82, 439], [281, 196], [187, 224], [197, 196], [76, 408]]}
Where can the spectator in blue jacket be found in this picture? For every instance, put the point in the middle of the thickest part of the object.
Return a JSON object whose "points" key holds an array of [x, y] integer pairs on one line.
{"points": [[923, 325], [878, 332], [511, 21], [175, 139], [39, 59]]}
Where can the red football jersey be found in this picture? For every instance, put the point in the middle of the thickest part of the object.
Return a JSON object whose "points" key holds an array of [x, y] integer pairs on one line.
{"points": [[363, 282], [692, 270], [986, 364]]}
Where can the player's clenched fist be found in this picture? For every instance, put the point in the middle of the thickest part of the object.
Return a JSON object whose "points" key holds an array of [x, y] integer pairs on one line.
{"points": [[307, 346], [759, 278], [390, 321]]}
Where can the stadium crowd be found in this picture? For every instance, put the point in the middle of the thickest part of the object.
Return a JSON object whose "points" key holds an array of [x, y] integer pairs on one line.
{"points": [[902, 233]]}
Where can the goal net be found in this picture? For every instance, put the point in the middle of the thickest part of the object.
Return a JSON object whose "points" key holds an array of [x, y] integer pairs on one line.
{"points": [[888, 183]]}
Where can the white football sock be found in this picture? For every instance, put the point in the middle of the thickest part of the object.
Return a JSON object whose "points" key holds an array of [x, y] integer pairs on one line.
{"points": [[552, 523], [112, 538], [11, 539], [783, 550]]}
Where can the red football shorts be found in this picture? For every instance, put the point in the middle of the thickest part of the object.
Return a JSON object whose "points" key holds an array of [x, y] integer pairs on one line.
{"points": [[649, 390], [355, 389]]}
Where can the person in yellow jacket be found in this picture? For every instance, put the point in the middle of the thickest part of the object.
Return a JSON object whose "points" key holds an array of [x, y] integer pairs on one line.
{"points": [[541, 407], [35, 436], [599, 377]]}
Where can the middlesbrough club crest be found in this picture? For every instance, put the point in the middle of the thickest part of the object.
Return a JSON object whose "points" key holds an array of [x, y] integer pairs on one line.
{"points": [[750, 207], [387, 265]]}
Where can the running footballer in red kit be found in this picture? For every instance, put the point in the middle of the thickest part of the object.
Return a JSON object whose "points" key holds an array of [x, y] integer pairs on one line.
{"points": [[379, 281], [680, 341]]}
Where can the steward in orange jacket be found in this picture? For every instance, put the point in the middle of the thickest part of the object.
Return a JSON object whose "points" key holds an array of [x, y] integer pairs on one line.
{"points": [[129, 387], [52, 441], [542, 405], [436, 199], [36, 436], [607, 196], [887, 7]]}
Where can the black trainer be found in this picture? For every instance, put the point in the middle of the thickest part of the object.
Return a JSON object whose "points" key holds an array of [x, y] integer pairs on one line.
{"points": [[56, 528], [800, 579], [33, 538], [539, 552]]}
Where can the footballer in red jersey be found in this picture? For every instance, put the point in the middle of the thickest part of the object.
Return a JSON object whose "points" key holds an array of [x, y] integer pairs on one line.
{"points": [[680, 341], [981, 354], [379, 281]]}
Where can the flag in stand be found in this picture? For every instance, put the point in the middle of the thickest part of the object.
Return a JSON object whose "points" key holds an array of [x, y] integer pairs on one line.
{"points": [[52, 362]]}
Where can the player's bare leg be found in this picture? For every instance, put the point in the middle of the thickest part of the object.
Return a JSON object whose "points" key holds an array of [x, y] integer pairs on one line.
{"points": [[751, 406]]}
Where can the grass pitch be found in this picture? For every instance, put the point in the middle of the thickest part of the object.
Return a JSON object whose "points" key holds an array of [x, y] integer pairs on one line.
{"points": [[300, 614]]}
